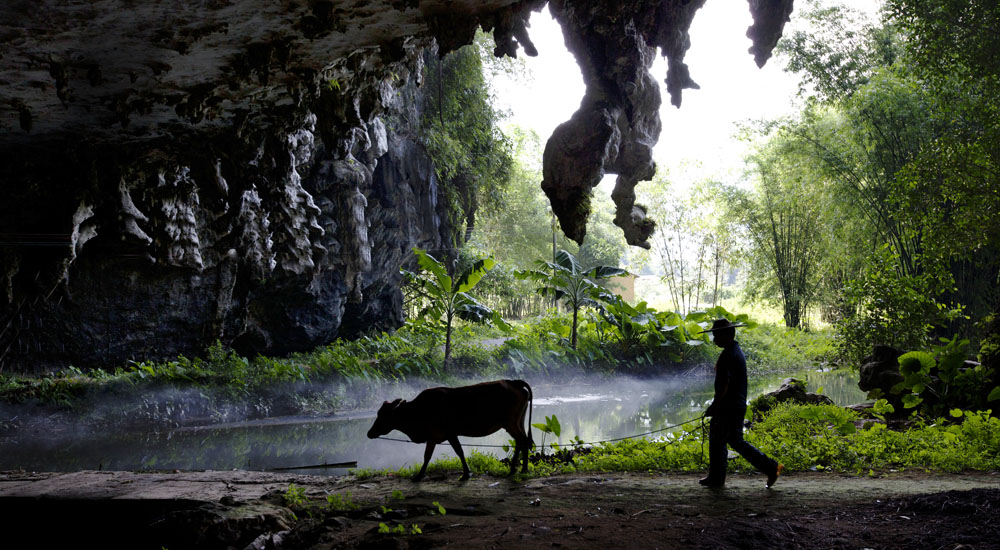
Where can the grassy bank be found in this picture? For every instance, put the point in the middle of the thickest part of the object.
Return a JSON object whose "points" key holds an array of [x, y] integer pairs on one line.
{"points": [[802, 437]]}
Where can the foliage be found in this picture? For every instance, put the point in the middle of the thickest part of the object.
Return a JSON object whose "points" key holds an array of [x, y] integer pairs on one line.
{"points": [[839, 53], [694, 241], [294, 496], [786, 217], [779, 348], [640, 327], [446, 299], [550, 426], [460, 128], [542, 346], [890, 309], [565, 279], [939, 380], [804, 437], [341, 503], [811, 441]]}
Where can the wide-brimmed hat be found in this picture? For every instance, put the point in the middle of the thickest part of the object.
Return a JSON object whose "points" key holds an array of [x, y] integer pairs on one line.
{"points": [[721, 324]]}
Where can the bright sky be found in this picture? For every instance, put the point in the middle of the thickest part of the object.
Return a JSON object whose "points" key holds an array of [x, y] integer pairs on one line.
{"points": [[698, 138]]}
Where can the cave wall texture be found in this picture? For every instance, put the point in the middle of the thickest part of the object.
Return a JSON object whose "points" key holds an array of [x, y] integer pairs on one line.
{"points": [[180, 172]]}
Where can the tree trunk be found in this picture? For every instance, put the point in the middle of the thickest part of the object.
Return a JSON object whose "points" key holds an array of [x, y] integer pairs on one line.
{"points": [[447, 342], [572, 341]]}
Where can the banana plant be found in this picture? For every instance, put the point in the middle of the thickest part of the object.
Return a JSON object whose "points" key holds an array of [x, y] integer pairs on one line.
{"points": [[640, 326], [447, 298], [565, 280]]}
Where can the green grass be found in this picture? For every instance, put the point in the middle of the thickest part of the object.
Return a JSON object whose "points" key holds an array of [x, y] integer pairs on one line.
{"points": [[802, 437], [777, 348]]}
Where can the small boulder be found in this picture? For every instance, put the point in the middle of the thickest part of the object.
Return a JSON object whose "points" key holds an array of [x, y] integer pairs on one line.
{"points": [[791, 389], [880, 370]]}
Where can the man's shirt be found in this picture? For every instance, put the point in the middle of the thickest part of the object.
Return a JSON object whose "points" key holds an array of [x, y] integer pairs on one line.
{"points": [[731, 377]]}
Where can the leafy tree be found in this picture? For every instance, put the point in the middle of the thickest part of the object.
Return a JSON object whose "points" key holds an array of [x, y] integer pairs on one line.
{"points": [[785, 218], [863, 143], [888, 307], [460, 128], [839, 52], [951, 46], [522, 229], [904, 121], [447, 299], [686, 239], [566, 280]]}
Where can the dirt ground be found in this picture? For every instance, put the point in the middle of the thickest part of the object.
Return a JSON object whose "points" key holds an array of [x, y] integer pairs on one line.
{"points": [[247, 510]]}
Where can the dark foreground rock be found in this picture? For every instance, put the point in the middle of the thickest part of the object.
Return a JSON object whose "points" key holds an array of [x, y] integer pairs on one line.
{"points": [[251, 510], [880, 371]]}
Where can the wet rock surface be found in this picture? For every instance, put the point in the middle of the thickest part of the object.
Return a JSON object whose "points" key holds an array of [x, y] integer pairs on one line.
{"points": [[181, 173], [791, 390]]}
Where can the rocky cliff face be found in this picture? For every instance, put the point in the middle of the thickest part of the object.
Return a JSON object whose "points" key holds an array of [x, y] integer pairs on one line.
{"points": [[162, 253], [262, 239], [180, 172]]}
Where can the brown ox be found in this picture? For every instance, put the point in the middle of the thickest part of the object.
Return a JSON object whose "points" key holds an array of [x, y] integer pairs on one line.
{"points": [[443, 414]]}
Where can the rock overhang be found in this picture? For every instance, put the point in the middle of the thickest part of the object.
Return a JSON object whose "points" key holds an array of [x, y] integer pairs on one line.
{"points": [[121, 71], [178, 173]]}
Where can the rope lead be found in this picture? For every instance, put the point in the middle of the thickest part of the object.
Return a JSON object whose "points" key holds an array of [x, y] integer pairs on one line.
{"points": [[584, 443]]}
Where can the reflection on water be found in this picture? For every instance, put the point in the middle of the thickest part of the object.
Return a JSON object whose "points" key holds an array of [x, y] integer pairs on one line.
{"points": [[598, 411]]}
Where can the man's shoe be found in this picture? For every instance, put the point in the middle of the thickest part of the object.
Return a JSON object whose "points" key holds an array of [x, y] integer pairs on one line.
{"points": [[709, 482], [771, 478]]}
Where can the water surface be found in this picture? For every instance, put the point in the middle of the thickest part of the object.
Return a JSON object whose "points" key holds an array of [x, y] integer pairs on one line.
{"points": [[595, 411]]}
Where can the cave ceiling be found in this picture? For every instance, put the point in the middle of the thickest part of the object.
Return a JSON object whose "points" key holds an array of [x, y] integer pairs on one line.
{"points": [[126, 72]]}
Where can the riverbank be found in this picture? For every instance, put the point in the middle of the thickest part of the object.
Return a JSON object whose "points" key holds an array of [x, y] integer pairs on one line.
{"points": [[634, 510], [223, 386]]}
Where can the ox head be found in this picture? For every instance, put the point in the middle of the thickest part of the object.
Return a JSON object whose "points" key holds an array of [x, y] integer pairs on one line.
{"points": [[385, 422]]}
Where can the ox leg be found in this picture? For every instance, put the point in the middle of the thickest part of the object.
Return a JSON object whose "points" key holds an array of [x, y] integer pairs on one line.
{"points": [[466, 472], [522, 446], [428, 451], [527, 450]]}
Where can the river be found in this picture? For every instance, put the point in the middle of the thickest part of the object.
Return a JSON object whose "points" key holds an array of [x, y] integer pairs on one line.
{"points": [[597, 410]]}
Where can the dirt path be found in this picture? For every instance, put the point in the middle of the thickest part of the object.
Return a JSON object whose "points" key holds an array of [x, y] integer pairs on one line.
{"points": [[234, 509]]}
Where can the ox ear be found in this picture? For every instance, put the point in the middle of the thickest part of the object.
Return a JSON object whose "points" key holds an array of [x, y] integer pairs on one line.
{"points": [[387, 405]]}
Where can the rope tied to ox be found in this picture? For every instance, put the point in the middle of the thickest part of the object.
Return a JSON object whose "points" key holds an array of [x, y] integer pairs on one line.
{"points": [[612, 440]]}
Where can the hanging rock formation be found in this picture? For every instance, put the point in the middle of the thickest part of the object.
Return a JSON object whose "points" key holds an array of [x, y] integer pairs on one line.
{"points": [[180, 172], [618, 122]]}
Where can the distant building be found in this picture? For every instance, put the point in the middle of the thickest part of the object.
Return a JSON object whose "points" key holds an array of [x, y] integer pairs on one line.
{"points": [[624, 286]]}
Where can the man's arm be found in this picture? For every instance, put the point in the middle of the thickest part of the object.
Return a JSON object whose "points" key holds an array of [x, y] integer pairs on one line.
{"points": [[721, 385]]}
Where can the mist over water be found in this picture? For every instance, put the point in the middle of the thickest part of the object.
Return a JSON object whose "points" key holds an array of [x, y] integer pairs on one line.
{"points": [[593, 408]]}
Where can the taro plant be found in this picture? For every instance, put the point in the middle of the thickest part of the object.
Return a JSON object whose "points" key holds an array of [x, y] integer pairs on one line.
{"points": [[551, 426], [941, 380], [564, 279], [641, 327], [447, 298]]}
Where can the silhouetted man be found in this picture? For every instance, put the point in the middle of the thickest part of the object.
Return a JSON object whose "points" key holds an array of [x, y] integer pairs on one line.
{"points": [[728, 409]]}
